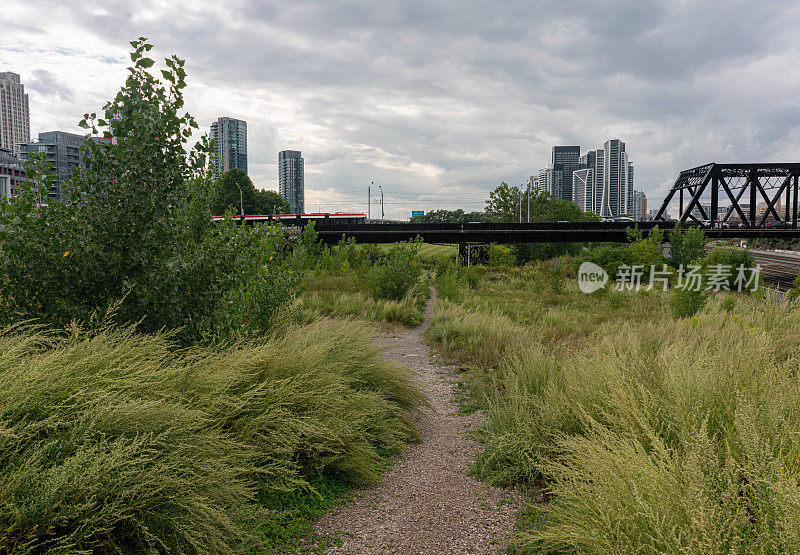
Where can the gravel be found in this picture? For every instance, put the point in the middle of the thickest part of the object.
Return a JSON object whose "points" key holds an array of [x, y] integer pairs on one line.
{"points": [[427, 503]]}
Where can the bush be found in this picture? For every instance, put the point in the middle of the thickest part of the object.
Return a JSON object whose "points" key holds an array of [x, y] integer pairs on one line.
{"points": [[729, 261], [473, 277], [115, 441], [686, 245], [447, 283], [610, 258], [393, 278], [646, 252], [501, 255], [686, 302]]}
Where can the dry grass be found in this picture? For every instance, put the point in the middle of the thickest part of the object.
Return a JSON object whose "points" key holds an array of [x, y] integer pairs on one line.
{"points": [[114, 441], [650, 433]]}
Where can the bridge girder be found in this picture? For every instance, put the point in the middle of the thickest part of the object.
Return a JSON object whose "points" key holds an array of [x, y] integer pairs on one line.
{"points": [[766, 183]]}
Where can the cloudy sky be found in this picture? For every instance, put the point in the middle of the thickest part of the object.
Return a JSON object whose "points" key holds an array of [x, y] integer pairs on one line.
{"points": [[438, 101]]}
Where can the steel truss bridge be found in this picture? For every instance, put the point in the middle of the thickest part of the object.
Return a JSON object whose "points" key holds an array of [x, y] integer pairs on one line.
{"points": [[770, 211], [572, 232], [755, 193]]}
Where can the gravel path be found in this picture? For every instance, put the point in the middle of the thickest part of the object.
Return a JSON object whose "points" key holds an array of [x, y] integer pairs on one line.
{"points": [[427, 503]]}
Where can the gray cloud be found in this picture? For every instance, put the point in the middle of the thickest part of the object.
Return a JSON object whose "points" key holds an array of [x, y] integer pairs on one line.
{"points": [[47, 84], [449, 98]]}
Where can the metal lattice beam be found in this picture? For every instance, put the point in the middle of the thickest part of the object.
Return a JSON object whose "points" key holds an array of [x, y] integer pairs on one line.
{"points": [[765, 187]]}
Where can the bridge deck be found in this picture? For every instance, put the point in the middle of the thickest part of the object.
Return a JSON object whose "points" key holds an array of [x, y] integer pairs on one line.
{"points": [[562, 232]]}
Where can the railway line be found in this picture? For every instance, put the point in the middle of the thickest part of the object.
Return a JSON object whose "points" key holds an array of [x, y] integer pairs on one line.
{"points": [[778, 268]]}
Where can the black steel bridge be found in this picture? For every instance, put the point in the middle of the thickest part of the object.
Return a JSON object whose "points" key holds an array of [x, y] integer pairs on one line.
{"points": [[726, 200], [561, 232]]}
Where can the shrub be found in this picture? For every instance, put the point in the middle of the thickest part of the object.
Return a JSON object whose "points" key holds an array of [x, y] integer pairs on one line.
{"points": [[686, 245], [447, 283], [729, 262], [397, 275], [501, 255], [686, 302], [610, 258], [473, 277], [648, 251]]}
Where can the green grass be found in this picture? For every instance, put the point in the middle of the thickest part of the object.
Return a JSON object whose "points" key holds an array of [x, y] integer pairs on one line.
{"points": [[344, 295], [116, 441], [646, 432], [429, 253]]}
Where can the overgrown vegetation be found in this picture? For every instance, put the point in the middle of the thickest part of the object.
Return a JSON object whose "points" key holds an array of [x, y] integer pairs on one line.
{"points": [[646, 431], [160, 390], [385, 283], [114, 441], [135, 235]]}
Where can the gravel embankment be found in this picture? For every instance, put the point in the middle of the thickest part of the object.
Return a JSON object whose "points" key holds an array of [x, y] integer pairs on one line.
{"points": [[427, 503]]}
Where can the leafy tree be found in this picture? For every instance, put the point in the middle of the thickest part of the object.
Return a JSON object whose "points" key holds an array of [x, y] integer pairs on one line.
{"points": [[504, 203], [255, 201], [136, 236], [686, 245], [269, 202], [504, 206], [449, 217]]}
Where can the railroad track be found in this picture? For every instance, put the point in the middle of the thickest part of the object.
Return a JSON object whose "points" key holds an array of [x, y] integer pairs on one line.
{"points": [[778, 268]]}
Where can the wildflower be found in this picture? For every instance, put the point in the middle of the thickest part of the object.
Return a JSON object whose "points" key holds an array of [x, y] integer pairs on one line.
{"points": [[66, 254]]}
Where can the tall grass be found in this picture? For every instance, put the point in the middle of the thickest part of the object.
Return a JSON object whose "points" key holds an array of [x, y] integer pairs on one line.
{"points": [[114, 441], [345, 295], [649, 433]]}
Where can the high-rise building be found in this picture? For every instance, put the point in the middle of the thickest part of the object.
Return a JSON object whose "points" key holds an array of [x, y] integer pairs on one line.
{"points": [[533, 185], [15, 118], [593, 196], [12, 174], [639, 212], [63, 151], [567, 157], [583, 189], [230, 139], [551, 179], [290, 174], [630, 187], [616, 199]]}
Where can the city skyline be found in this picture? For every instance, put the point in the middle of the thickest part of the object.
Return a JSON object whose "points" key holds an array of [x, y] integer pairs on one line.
{"points": [[366, 97]]}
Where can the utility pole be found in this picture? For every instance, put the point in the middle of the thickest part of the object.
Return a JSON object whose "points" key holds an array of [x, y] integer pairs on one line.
{"points": [[529, 202], [241, 201], [520, 205], [369, 200], [381, 188]]}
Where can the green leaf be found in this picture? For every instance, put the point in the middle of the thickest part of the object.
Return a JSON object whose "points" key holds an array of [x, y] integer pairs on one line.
{"points": [[145, 63]]}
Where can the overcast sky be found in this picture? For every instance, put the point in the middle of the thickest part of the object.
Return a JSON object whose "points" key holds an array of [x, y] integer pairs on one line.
{"points": [[438, 102]]}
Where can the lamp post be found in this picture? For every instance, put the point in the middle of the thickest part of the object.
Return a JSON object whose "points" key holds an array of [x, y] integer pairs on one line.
{"points": [[381, 188], [241, 201]]}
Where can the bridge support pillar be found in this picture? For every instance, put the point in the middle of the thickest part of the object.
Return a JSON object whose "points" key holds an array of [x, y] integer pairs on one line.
{"points": [[462, 254]]}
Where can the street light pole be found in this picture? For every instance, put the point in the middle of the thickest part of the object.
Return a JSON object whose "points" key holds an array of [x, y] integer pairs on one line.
{"points": [[369, 200], [241, 201], [381, 188]]}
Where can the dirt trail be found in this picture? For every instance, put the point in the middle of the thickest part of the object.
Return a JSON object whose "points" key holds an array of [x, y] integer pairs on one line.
{"points": [[427, 503]]}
